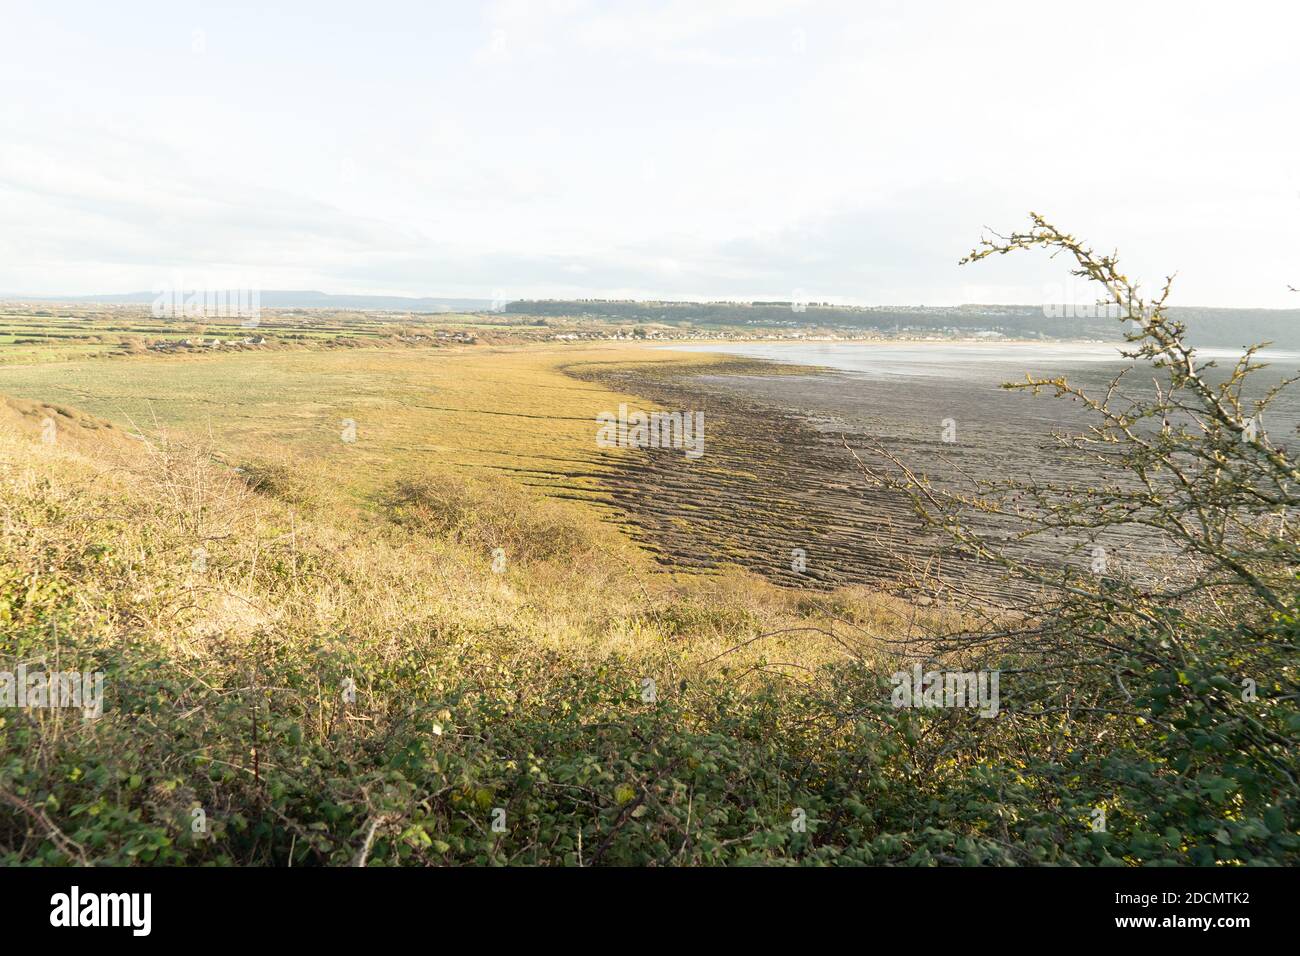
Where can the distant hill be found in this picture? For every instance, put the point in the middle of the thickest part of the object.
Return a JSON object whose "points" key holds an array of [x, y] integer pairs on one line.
{"points": [[1237, 328], [291, 299], [1227, 328]]}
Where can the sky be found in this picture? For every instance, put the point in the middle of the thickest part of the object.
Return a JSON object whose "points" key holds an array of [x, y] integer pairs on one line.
{"points": [[845, 152]]}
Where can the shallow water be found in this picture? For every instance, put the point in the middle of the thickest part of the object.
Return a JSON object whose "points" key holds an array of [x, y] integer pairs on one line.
{"points": [[988, 365], [967, 359]]}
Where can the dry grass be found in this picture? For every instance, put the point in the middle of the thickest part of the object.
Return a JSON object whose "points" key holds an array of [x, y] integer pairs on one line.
{"points": [[283, 550], [229, 587]]}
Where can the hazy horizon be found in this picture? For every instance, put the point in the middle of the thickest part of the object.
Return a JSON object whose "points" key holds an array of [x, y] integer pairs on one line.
{"points": [[141, 296]]}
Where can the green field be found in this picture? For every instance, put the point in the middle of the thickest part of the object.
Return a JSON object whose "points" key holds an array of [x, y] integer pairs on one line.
{"points": [[511, 410], [45, 333]]}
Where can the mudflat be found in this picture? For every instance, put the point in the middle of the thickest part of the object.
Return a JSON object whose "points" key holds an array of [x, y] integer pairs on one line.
{"points": [[778, 490]]}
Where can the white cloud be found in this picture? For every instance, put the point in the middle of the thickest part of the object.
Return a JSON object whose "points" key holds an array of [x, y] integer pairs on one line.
{"points": [[689, 148]]}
